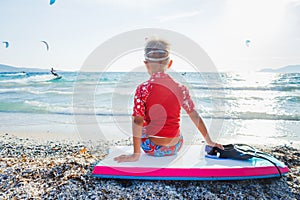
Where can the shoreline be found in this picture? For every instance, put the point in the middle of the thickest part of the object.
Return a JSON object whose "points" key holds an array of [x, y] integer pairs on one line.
{"points": [[60, 127], [117, 135], [33, 168]]}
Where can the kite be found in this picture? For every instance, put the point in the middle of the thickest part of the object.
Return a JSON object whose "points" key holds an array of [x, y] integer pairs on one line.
{"points": [[47, 46], [247, 42], [6, 44], [52, 2]]}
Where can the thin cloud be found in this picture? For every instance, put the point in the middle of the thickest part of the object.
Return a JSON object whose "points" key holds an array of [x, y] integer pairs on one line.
{"points": [[178, 16]]}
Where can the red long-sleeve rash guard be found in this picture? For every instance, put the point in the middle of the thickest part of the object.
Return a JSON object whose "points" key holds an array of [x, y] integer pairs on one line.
{"points": [[159, 101]]}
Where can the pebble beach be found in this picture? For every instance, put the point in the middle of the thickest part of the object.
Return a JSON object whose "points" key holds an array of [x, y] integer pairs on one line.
{"points": [[40, 169]]}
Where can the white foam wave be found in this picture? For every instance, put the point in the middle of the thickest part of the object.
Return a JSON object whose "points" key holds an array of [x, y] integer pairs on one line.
{"points": [[14, 74], [252, 116], [31, 79], [35, 91], [36, 103]]}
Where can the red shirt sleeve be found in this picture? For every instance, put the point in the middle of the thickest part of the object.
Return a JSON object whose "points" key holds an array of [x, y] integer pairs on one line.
{"points": [[141, 94], [187, 103]]}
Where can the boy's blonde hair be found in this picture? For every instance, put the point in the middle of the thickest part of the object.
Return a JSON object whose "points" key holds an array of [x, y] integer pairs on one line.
{"points": [[157, 50]]}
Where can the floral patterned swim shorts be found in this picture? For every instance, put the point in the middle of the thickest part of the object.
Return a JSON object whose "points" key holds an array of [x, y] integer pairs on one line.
{"points": [[155, 150]]}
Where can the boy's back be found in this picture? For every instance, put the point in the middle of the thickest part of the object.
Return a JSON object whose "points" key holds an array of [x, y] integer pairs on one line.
{"points": [[159, 101]]}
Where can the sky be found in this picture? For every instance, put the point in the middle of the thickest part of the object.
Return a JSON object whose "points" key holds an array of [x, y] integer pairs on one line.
{"points": [[74, 28]]}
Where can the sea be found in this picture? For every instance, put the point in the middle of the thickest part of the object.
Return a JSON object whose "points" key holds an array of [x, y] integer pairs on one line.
{"points": [[237, 107]]}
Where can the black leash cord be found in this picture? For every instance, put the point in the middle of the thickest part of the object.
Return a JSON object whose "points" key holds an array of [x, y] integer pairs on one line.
{"points": [[258, 156]]}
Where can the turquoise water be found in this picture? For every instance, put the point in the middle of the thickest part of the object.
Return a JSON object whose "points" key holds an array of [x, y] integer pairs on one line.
{"points": [[242, 98]]}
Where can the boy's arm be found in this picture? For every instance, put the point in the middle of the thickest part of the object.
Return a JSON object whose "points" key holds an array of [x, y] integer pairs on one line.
{"points": [[202, 128], [137, 126]]}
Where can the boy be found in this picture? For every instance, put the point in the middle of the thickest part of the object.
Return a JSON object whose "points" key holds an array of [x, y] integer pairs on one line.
{"points": [[157, 106]]}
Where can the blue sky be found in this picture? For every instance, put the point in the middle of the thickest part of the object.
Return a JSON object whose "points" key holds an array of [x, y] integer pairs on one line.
{"points": [[74, 28]]}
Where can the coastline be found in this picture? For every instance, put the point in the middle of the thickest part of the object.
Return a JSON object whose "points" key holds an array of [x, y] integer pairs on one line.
{"points": [[35, 168], [64, 127]]}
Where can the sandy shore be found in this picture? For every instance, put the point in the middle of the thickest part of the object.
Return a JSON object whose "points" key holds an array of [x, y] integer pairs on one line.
{"points": [[39, 169]]}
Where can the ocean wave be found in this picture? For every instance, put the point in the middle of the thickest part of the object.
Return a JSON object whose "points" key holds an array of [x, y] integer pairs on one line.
{"points": [[252, 116], [21, 107], [33, 91], [291, 99], [261, 88], [51, 92], [36, 107], [30, 79], [8, 74], [263, 116], [11, 90]]}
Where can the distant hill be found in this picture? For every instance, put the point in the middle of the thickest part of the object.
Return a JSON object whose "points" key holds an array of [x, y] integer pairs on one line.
{"points": [[286, 69], [7, 68]]}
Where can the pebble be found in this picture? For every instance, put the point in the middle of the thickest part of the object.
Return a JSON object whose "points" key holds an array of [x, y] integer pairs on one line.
{"points": [[31, 169]]}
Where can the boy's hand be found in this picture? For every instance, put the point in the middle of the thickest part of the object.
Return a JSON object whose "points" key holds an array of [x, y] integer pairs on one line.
{"points": [[128, 158], [214, 144]]}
